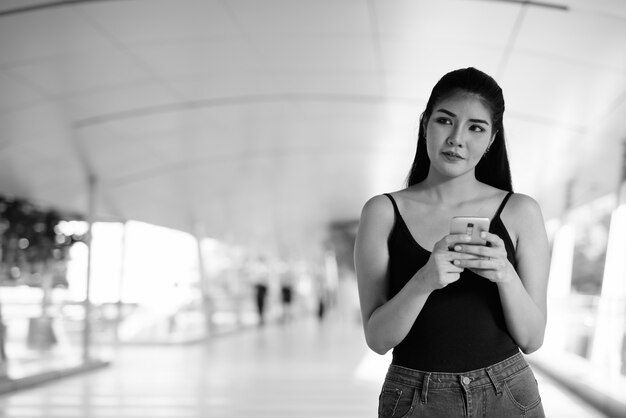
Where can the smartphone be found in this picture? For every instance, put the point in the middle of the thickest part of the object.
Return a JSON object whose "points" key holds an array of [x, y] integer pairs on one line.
{"points": [[470, 225]]}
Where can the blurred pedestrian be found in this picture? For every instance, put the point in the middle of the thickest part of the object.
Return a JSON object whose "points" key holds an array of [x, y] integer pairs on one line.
{"points": [[259, 274], [260, 295], [286, 295], [456, 315], [323, 295]]}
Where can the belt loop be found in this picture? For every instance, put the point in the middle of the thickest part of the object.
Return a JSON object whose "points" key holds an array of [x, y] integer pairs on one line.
{"points": [[425, 388], [493, 379]]}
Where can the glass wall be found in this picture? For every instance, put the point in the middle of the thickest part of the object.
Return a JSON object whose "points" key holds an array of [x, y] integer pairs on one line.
{"points": [[586, 332], [147, 285]]}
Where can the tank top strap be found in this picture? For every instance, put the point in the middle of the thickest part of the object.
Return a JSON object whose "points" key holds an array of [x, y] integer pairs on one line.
{"points": [[506, 198], [395, 206]]}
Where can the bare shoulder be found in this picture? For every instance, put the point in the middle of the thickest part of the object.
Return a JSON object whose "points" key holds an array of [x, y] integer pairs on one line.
{"points": [[378, 207], [523, 218], [521, 207], [377, 220]]}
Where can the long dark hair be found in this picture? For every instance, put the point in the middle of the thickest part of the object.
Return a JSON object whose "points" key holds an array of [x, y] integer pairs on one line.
{"points": [[493, 168]]}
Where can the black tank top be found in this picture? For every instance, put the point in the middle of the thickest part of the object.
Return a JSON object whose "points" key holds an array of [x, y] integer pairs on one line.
{"points": [[461, 327]]}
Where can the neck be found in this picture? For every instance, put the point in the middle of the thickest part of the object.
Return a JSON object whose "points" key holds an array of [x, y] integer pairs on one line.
{"points": [[452, 191]]}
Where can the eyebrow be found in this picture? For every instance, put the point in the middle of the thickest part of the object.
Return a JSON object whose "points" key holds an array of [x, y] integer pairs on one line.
{"points": [[447, 112]]}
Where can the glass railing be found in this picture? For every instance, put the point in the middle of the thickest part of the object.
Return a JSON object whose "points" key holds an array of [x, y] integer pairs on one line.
{"points": [[585, 342]]}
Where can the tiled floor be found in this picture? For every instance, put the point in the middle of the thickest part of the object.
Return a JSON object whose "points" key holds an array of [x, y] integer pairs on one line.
{"points": [[303, 369]]}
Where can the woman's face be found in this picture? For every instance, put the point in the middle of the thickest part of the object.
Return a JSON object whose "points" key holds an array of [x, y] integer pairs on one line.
{"points": [[458, 132]]}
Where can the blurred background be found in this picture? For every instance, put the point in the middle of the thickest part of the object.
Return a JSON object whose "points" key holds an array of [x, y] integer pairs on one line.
{"points": [[176, 171]]}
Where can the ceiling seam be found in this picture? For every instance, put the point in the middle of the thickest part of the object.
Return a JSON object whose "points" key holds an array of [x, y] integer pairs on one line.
{"points": [[123, 48], [542, 4], [21, 80], [508, 49], [48, 5], [240, 100], [260, 99], [230, 158]]}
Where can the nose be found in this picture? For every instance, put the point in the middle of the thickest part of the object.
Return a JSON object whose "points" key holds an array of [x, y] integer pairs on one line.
{"points": [[456, 137]]}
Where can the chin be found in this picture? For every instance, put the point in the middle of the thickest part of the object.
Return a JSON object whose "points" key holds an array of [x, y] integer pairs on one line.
{"points": [[452, 172]]}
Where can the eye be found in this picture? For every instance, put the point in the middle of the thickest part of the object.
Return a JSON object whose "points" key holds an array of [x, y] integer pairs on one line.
{"points": [[443, 121], [477, 128]]}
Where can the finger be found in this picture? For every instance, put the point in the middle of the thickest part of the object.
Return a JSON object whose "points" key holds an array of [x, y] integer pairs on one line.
{"points": [[480, 273], [493, 239], [452, 239], [482, 264], [450, 278], [454, 269], [454, 277], [480, 250], [453, 255]]}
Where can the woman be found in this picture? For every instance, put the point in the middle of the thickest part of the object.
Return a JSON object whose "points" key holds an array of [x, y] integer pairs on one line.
{"points": [[456, 315]]}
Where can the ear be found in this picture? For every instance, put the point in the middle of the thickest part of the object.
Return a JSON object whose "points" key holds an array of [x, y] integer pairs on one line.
{"points": [[424, 123]]}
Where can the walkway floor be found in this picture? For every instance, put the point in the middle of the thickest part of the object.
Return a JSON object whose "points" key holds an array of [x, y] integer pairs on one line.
{"points": [[298, 370]]}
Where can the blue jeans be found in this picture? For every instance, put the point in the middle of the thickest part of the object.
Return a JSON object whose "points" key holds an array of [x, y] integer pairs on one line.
{"points": [[505, 389]]}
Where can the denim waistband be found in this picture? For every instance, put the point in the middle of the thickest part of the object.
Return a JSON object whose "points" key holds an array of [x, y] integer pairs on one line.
{"points": [[491, 375]]}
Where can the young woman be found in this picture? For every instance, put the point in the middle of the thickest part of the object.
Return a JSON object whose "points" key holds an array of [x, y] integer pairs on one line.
{"points": [[456, 315]]}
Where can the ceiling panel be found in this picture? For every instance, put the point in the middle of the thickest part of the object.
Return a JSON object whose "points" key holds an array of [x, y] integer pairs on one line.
{"points": [[211, 57], [10, 5], [88, 107], [483, 23], [580, 95], [302, 17], [44, 34], [605, 7], [16, 94], [585, 39], [17, 125], [405, 56], [224, 87], [65, 76], [161, 21], [413, 74], [317, 54]]}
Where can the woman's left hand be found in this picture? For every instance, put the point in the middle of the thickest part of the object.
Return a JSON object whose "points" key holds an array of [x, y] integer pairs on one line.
{"points": [[491, 261]]}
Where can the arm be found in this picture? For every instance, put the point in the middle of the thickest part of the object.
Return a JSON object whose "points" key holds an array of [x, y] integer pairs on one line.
{"points": [[387, 321], [522, 292]]}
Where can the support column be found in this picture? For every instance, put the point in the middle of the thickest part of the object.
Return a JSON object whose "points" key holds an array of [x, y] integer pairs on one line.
{"points": [[204, 285], [3, 355], [120, 298], [87, 302]]}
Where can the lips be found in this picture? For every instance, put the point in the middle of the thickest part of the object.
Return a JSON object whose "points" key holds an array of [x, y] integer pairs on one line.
{"points": [[451, 155]]}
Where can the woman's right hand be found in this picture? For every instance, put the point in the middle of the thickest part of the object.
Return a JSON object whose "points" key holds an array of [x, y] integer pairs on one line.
{"points": [[439, 271]]}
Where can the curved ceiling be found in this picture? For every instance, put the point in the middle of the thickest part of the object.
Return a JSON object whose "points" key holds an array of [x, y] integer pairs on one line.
{"points": [[261, 122]]}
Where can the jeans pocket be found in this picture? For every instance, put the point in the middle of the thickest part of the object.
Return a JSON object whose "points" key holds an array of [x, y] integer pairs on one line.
{"points": [[522, 390], [396, 400]]}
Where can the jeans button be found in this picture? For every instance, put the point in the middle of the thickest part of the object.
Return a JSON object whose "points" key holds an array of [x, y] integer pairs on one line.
{"points": [[466, 380]]}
